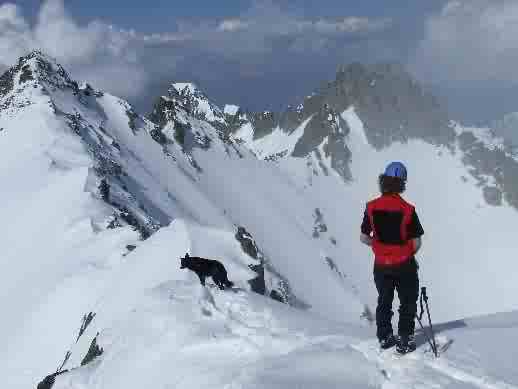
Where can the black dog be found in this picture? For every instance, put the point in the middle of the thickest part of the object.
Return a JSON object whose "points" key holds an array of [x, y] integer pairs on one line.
{"points": [[207, 268]]}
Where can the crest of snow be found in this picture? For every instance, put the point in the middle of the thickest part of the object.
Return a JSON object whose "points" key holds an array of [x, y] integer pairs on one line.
{"points": [[278, 141], [182, 86], [357, 135], [209, 111], [231, 109], [245, 133]]}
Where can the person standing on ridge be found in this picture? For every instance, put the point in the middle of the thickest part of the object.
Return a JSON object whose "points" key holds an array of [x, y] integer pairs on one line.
{"points": [[392, 229]]}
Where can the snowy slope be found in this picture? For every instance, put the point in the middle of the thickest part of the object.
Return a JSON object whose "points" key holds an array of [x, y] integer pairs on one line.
{"points": [[88, 178], [99, 203], [166, 329], [460, 193]]}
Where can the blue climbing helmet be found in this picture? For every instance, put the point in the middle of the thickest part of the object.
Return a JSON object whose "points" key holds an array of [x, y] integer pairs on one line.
{"points": [[396, 169]]}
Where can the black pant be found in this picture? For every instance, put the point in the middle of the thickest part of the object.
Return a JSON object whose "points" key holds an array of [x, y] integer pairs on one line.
{"points": [[404, 279]]}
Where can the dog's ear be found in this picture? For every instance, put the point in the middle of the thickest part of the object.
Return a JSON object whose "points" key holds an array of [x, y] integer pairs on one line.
{"points": [[187, 256]]}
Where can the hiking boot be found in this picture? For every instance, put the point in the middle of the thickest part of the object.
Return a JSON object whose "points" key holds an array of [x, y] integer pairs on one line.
{"points": [[388, 342], [406, 344]]}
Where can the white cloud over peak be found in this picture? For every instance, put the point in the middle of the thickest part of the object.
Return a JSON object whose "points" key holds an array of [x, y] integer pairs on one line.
{"points": [[471, 40], [97, 52], [263, 38]]}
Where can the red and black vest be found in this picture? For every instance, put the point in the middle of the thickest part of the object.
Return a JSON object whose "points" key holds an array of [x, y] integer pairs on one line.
{"points": [[390, 216]]}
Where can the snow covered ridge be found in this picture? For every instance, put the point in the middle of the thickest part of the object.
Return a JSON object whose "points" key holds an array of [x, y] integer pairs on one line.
{"points": [[197, 102], [86, 179], [99, 180]]}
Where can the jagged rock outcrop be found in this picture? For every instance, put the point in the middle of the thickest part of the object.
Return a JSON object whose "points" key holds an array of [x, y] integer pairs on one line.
{"points": [[268, 281]]}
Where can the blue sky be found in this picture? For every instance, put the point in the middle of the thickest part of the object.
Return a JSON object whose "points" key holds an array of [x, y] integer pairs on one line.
{"points": [[265, 54], [157, 14]]}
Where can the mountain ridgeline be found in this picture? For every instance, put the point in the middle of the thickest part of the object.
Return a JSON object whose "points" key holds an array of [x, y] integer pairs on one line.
{"points": [[393, 107], [111, 199]]}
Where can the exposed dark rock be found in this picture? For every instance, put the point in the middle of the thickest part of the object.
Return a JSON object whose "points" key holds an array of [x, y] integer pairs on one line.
{"points": [[258, 284], [114, 222], [247, 242], [333, 266], [87, 319], [281, 291], [163, 112], [236, 121], [319, 225], [104, 190], [93, 352], [292, 118], [264, 123], [493, 195], [26, 74], [158, 136], [340, 154], [322, 124], [133, 119], [494, 162], [49, 381], [392, 105], [7, 81], [248, 245], [276, 156], [180, 129]]}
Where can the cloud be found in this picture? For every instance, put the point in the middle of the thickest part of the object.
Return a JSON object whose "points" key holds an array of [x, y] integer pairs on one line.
{"points": [[263, 45], [470, 41], [265, 28], [296, 26], [232, 25], [102, 54]]}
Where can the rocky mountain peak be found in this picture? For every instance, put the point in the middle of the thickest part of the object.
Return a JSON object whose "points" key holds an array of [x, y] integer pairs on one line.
{"points": [[37, 71], [392, 104], [196, 103]]}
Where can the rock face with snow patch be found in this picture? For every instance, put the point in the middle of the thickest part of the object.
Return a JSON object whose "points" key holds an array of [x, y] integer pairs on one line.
{"points": [[392, 106]]}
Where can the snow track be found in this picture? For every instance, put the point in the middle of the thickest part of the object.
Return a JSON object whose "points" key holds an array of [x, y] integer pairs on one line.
{"points": [[422, 370]]}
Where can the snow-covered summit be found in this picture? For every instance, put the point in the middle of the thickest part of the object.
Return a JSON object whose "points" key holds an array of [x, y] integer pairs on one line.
{"points": [[197, 102]]}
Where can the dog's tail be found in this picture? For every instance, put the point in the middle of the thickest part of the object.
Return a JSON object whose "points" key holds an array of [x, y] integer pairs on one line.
{"points": [[229, 284]]}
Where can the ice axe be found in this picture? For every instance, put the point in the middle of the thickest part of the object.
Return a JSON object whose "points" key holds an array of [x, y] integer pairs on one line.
{"points": [[430, 339]]}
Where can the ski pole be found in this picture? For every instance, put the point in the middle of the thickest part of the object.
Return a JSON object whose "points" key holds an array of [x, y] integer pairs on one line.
{"points": [[419, 320], [425, 297], [424, 332]]}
